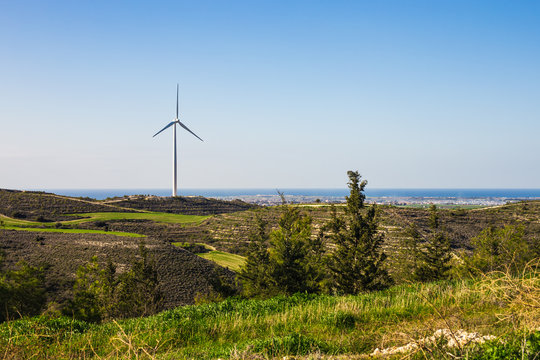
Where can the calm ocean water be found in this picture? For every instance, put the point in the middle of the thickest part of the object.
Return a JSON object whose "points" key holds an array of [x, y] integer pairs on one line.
{"points": [[425, 193]]}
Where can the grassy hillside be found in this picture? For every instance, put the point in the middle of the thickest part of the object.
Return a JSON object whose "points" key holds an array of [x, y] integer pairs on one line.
{"points": [[68, 242], [230, 232], [70, 231], [152, 216], [47, 207], [316, 327], [182, 274], [224, 259], [192, 205]]}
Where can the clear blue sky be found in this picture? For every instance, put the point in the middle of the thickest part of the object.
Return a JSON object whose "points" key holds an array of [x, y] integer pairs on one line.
{"points": [[285, 93]]}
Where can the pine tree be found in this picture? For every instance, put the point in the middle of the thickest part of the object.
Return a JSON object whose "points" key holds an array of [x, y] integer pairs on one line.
{"points": [[289, 268], [357, 263], [436, 253], [499, 249], [138, 292], [100, 294], [88, 293], [255, 275], [407, 260], [22, 291]]}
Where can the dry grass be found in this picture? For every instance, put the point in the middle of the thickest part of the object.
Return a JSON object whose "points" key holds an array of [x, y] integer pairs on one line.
{"points": [[518, 294]]}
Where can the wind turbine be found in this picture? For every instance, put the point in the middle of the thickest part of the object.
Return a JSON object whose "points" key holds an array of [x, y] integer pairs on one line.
{"points": [[173, 123]]}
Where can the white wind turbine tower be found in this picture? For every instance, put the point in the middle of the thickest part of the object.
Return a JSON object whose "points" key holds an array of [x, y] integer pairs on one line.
{"points": [[173, 123]]}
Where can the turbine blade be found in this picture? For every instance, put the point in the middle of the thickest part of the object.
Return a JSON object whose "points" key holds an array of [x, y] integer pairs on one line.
{"points": [[185, 127], [168, 125], [176, 101]]}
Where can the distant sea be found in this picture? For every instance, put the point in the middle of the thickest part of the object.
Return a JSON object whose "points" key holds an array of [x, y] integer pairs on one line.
{"points": [[101, 194]]}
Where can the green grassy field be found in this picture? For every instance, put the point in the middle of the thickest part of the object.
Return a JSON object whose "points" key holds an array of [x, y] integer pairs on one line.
{"points": [[72, 231], [320, 325], [153, 216], [232, 261], [8, 223], [106, 216]]}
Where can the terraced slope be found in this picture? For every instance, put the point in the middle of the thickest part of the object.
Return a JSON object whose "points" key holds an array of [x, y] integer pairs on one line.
{"points": [[182, 274], [47, 207], [230, 232], [183, 205]]}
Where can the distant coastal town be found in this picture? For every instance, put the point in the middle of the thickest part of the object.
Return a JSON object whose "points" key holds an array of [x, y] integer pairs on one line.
{"points": [[270, 200]]}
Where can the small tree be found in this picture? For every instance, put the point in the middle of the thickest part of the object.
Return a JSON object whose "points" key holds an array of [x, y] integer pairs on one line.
{"points": [[255, 275], [289, 266], [498, 249], [22, 291], [99, 293], [436, 252], [407, 259], [292, 262], [89, 292], [357, 262], [138, 292]]}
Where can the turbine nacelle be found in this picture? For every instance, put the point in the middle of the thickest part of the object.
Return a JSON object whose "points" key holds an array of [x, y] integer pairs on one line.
{"points": [[179, 123]]}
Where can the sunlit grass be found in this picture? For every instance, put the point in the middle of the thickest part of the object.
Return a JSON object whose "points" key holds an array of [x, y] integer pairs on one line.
{"points": [[72, 231], [280, 326], [225, 259], [153, 216]]}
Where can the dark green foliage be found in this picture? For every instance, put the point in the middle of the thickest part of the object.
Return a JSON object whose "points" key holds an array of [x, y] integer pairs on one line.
{"points": [[18, 215], [89, 299], [193, 248], [255, 275], [292, 264], [433, 217], [357, 263], [499, 249], [21, 291], [407, 259], [290, 269], [434, 258], [138, 292], [435, 255], [342, 320], [423, 257], [99, 293]]}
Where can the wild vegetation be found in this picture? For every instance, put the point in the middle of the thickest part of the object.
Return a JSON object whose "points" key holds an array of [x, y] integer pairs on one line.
{"points": [[193, 205], [307, 326], [311, 282]]}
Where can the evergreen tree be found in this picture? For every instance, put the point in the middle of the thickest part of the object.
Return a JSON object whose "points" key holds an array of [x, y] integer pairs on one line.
{"points": [[138, 292], [100, 294], [292, 262], [407, 260], [499, 249], [289, 268], [255, 275], [316, 261], [357, 262], [22, 291], [436, 253], [88, 293]]}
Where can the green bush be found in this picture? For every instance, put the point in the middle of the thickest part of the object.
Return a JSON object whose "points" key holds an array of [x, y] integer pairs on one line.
{"points": [[22, 291], [498, 249]]}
